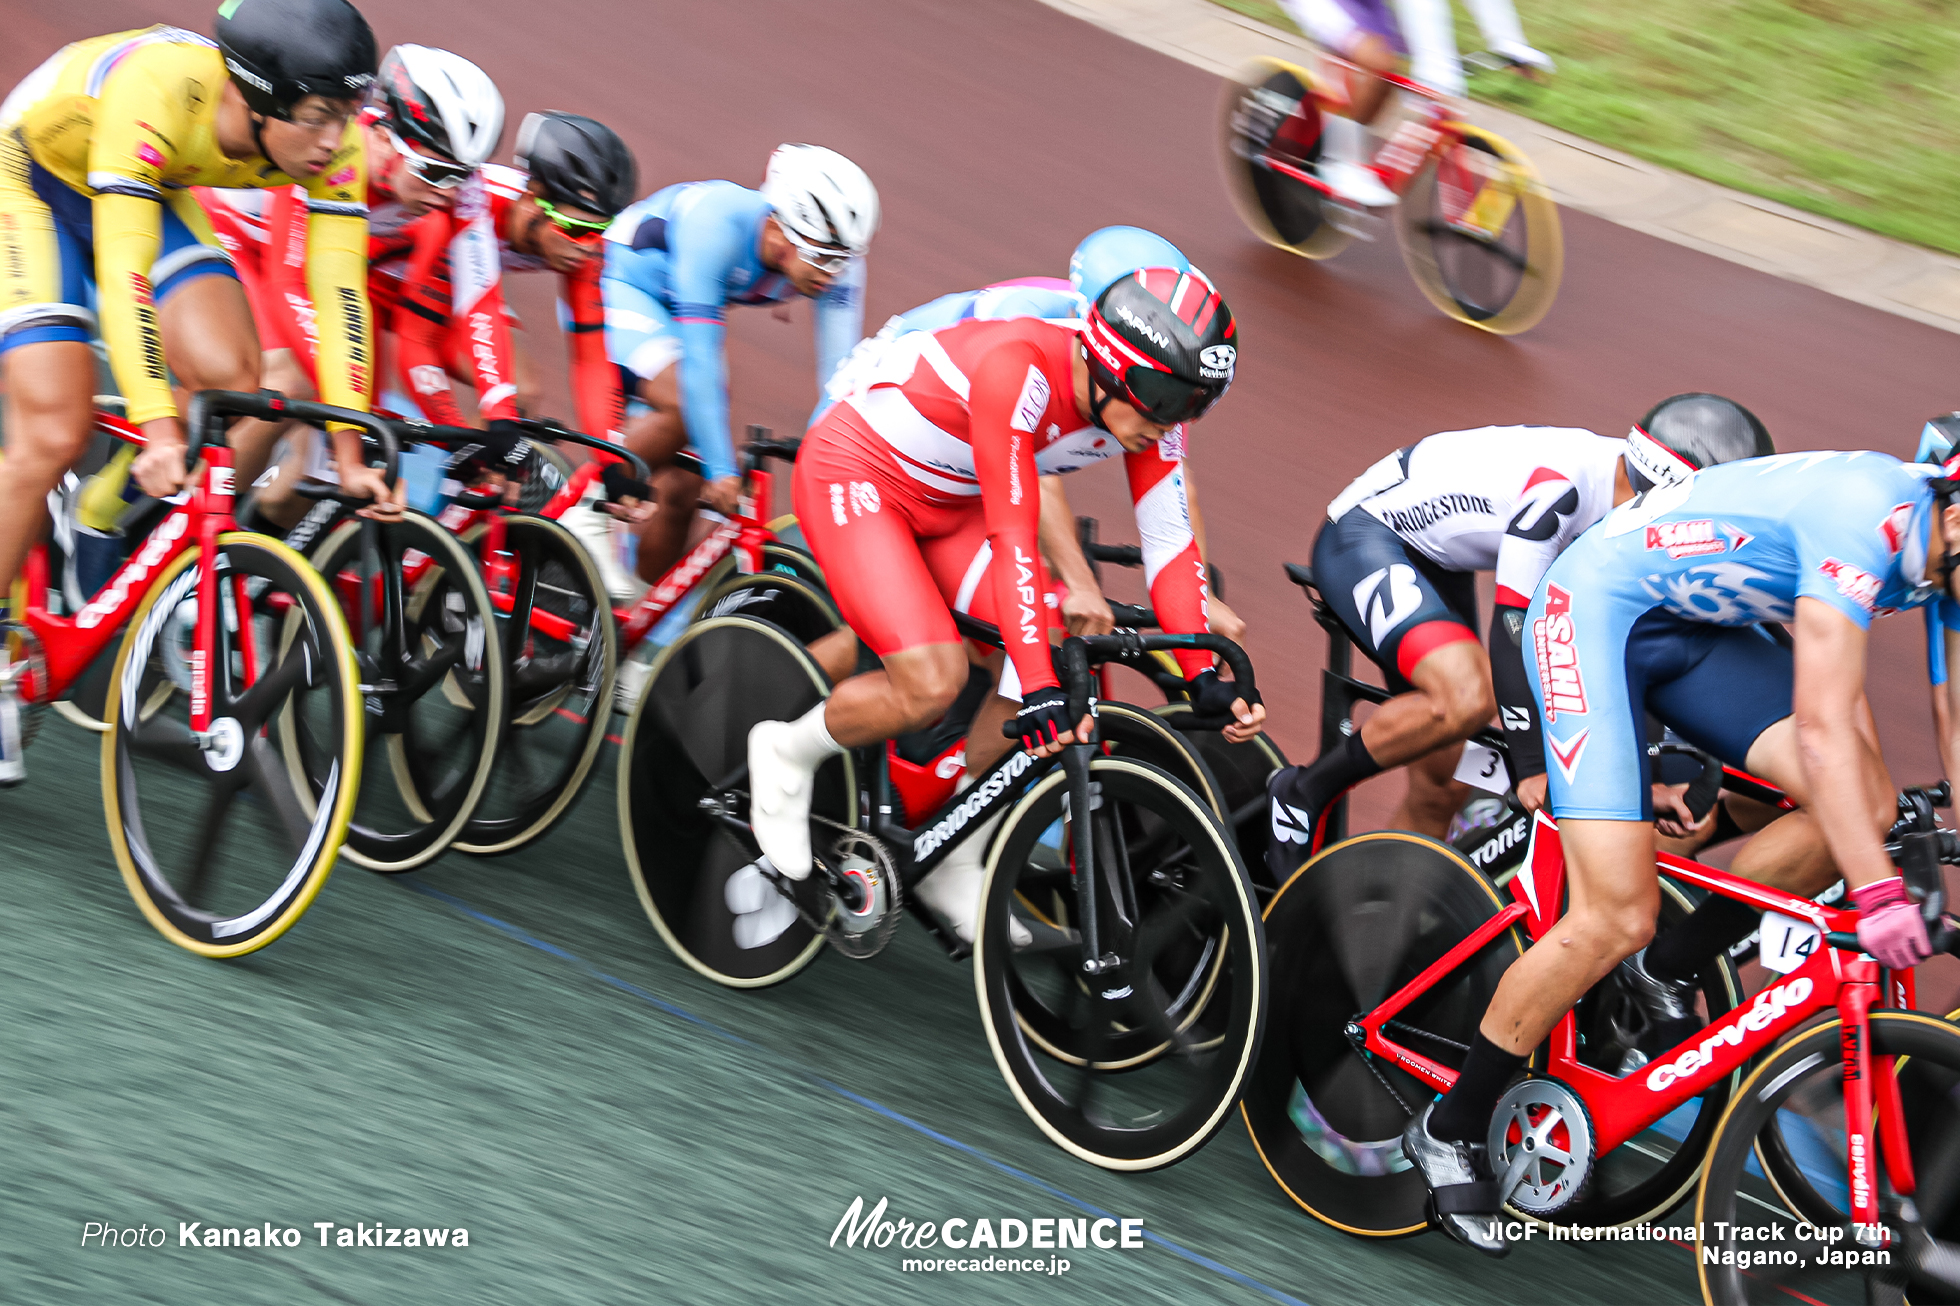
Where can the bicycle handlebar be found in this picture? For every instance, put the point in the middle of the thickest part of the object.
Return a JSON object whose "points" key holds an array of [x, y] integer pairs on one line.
{"points": [[1130, 646], [761, 446], [209, 408], [546, 428]]}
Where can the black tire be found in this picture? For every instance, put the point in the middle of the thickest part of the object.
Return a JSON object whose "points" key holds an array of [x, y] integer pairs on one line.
{"points": [[689, 731], [219, 847], [1151, 1072], [1502, 280], [561, 652], [1348, 929], [782, 598], [1278, 209], [437, 709], [1128, 731], [1802, 1079], [1241, 771]]}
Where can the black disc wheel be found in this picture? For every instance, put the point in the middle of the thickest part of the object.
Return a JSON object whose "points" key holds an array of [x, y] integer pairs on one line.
{"points": [[1799, 1089], [1481, 236], [425, 638], [799, 606], [561, 651], [218, 845], [1135, 1066], [684, 761], [1350, 928]]}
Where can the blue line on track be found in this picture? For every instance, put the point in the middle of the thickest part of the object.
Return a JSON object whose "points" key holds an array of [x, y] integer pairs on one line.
{"points": [[624, 986]]}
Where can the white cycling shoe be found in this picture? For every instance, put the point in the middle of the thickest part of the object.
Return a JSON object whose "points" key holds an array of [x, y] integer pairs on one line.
{"points": [[952, 891], [779, 800], [594, 529], [1356, 184], [1524, 56]]}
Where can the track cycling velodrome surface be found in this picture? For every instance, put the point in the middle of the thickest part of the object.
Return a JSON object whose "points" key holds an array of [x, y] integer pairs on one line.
{"points": [[505, 1046]]}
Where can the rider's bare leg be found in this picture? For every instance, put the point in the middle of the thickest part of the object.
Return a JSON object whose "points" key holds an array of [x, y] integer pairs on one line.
{"points": [[1434, 796], [914, 689], [1367, 91], [50, 391], [253, 442], [1451, 699]]}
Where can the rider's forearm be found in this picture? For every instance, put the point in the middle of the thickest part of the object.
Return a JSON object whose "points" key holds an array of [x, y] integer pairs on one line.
{"points": [[1511, 682], [1059, 543], [704, 393], [1843, 774]]}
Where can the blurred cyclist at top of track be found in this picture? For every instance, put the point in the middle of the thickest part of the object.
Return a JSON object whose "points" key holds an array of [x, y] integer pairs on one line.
{"points": [[916, 493], [1376, 37], [1103, 256], [676, 260]]}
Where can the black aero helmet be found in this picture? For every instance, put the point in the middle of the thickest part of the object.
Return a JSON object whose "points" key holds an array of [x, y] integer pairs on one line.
{"points": [[281, 51], [1682, 434], [579, 162], [1163, 341]]}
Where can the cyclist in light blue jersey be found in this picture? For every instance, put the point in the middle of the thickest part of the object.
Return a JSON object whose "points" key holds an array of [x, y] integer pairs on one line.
{"points": [[1659, 608], [676, 260]]}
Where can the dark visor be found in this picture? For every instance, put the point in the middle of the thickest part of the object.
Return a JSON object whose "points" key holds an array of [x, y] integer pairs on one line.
{"points": [[1165, 399]]}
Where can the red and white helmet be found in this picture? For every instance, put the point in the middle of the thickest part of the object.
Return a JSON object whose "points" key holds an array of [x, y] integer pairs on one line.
{"points": [[442, 101]]}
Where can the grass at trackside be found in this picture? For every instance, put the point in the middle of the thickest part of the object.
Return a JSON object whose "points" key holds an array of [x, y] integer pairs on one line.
{"points": [[1846, 108]]}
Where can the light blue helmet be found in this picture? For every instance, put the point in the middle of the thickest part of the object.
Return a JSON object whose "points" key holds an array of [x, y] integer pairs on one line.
{"points": [[1108, 255], [1936, 439]]}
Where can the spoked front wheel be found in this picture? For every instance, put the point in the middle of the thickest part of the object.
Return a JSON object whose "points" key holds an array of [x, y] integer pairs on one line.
{"points": [[561, 651], [1800, 1087], [218, 845], [1481, 236], [1135, 1066]]}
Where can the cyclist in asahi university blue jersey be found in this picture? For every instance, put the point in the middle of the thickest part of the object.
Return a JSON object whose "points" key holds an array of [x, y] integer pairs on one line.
{"points": [[1659, 609]]}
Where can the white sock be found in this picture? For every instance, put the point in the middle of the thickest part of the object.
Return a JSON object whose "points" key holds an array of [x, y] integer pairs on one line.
{"points": [[807, 742], [1343, 140]]}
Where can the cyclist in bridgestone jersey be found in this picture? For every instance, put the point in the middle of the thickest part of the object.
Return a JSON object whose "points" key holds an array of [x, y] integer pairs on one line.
{"points": [[1656, 610], [1397, 558], [917, 494]]}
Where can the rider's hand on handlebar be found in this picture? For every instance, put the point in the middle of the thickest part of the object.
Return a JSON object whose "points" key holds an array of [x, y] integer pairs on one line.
{"points": [[1213, 697], [1042, 723], [1086, 612], [1890, 927], [159, 469], [627, 498], [367, 483], [723, 495], [1672, 816], [1531, 791]]}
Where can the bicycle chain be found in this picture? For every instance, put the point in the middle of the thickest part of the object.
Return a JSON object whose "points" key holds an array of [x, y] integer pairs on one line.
{"points": [[1373, 1069], [788, 887]]}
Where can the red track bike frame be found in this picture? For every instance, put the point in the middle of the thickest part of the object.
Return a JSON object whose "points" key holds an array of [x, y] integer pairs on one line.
{"points": [[1621, 1108], [69, 644]]}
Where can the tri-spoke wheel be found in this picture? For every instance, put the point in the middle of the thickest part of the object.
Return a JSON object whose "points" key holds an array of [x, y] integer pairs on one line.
{"points": [[432, 674], [1132, 1059], [218, 845], [561, 651]]}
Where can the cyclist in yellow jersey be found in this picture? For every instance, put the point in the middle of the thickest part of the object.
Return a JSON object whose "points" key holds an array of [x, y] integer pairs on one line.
{"points": [[98, 149]]}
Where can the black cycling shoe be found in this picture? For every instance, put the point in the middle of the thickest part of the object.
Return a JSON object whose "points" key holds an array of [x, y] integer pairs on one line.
{"points": [[1295, 825], [1462, 1194], [1652, 1015]]}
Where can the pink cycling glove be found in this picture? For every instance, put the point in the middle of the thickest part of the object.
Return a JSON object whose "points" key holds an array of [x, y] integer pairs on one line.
{"points": [[1889, 924]]}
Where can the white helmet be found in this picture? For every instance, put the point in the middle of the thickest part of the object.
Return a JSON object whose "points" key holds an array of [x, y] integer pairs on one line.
{"points": [[441, 100], [821, 197]]}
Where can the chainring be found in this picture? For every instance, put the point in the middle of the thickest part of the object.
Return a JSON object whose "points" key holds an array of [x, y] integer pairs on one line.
{"points": [[1542, 1146], [864, 859]]}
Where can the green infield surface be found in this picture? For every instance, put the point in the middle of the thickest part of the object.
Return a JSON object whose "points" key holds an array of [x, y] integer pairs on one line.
{"points": [[505, 1047]]}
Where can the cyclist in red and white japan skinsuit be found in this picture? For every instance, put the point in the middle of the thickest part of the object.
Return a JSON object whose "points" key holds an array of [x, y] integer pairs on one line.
{"points": [[918, 493]]}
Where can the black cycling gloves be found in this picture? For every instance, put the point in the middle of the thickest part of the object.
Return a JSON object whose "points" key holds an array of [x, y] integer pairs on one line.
{"points": [[1042, 720], [621, 484]]}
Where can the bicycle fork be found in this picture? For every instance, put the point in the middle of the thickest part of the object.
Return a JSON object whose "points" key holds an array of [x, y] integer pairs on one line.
{"points": [[1871, 1097]]}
